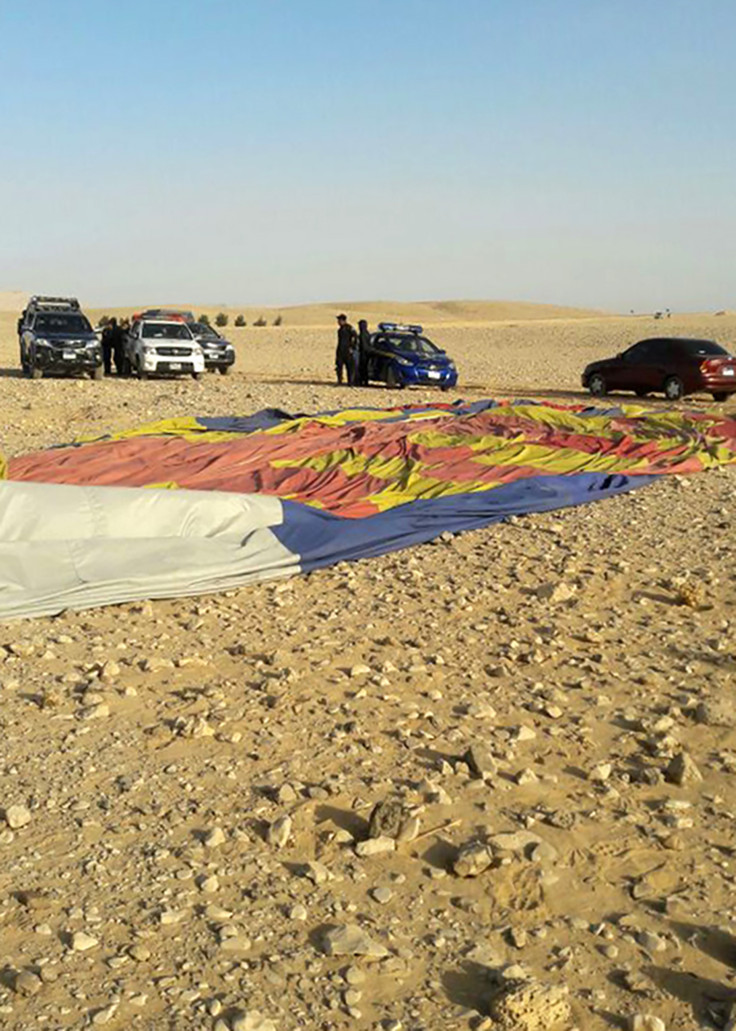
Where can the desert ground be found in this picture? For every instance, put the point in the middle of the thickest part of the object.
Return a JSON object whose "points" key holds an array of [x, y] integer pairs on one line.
{"points": [[187, 785]]}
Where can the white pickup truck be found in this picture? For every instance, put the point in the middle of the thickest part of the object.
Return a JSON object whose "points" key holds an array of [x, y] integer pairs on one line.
{"points": [[162, 347]]}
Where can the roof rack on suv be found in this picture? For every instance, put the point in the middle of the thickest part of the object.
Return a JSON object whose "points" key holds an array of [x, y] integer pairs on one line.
{"points": [[54, 303]]}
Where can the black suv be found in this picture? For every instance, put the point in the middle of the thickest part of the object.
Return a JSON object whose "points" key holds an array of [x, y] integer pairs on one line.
{"points": [[55, 336]]}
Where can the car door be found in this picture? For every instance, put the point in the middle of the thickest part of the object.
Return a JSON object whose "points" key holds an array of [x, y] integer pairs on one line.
{"points": [[636, 368]]}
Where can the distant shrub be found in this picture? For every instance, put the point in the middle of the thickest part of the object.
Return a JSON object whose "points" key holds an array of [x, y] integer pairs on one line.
{"points": [[221, 319], [260, 322], [204, 319], [240, 321], [278, 320]]}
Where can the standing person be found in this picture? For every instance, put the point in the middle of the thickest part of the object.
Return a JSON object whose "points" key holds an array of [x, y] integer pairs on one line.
{"points": [[109, 336], [118, 345], [364, 346], [345, 353]]}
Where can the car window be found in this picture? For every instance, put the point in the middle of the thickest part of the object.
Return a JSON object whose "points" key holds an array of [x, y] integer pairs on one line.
{"points": [[414, 345], [201, 329], [62, 323], [696, 348], [165, 331]]}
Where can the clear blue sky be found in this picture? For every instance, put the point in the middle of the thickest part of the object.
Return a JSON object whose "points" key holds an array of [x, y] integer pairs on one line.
{"points": [[280, 151]]}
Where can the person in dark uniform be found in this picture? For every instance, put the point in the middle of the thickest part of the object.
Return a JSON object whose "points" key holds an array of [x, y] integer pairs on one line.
{"points": [[118, 346], [345, 354], [364, 346], [109, 337]]}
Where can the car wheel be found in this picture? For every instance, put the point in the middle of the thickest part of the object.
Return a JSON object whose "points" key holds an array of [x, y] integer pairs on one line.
{"points": [[444, 388], [392, 380], [224, 370], [721, 395], [673, 388], [640, 392], [98, 373], [142, 374], [597, 385], [35, 372], [197, 375]]}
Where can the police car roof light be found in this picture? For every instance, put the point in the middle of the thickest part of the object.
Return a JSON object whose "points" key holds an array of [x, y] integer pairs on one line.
{"points": [[393, 327]]}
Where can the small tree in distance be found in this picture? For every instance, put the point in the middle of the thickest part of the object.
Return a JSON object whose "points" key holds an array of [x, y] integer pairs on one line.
{"points": [[204, 319], [221, 319], [260, 322], [278, 320], [239, 321]]}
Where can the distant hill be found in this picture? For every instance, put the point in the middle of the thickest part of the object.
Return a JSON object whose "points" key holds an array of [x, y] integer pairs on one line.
{"points": [[425, 312]]}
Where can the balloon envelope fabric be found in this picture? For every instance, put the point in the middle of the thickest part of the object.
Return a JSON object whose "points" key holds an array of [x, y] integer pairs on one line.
{"points": [[274, 494]]}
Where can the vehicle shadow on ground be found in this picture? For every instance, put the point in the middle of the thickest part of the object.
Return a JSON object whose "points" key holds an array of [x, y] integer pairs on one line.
{"points": [[6, 373]]}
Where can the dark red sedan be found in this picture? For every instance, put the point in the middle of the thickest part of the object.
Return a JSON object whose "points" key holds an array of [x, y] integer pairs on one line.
{"points": [[673, 366]]}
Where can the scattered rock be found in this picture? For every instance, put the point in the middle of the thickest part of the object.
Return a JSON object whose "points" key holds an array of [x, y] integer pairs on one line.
{"points": [[279, 832], [83, 942], [351, 940], [472, 859], [17, 816], [682, 771], [528, 1005]]}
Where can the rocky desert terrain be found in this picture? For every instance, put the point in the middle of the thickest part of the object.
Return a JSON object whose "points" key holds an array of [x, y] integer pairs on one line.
{"points": [[485, 783]]}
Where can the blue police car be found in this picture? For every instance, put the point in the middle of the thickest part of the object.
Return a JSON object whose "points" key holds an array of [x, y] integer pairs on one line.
{"points": [[401, 356]]}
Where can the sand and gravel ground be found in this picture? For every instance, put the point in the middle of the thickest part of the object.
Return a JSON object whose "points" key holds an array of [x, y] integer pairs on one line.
{"points": [[190, 782]]}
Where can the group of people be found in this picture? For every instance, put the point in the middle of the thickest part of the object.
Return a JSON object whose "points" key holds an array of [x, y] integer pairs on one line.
{"points": [[351, 356], [113, 345]]}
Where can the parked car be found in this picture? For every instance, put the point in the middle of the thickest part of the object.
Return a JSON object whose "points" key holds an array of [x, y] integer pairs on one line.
{"points": [[401, 356], [55, 336], [218, 352], [161, 347], [673, 366]]}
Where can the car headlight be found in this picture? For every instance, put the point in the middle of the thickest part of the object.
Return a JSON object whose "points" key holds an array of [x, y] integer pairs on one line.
{"points": [[197, 350], [40, 342], [149, 349], [452, 366], [403, 361]]}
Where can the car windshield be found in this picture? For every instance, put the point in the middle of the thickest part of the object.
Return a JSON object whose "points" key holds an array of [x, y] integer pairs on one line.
{"points": [[414, 345], [62, 324], [166, 331], [201, 329], [698, 347]]}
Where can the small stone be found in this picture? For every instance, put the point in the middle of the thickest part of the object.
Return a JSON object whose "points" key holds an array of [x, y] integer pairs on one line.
{"points": [[82, 942], [600, 773], [235, 943], [360, 670], [651, 942], [382, 895], [351, 940], [316, 872], [96, 712], [140, 953], [105, 1015], [374, 847], [279, 832], [472, 859], [298, 912], [646, 1022], [214, 838], [387, 818], [27, 983], [480, 759], [526, 776], [525, 733], [170, 917], [555, 592], [209, 884], [355, 976], [528, 1005], [251, 1020], [683, 771], [17, 816]]}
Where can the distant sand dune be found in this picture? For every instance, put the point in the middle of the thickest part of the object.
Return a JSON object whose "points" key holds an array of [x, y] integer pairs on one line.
{"points": [[322, 314]]}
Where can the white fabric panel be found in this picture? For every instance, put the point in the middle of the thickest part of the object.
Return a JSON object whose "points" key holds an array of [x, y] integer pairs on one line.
{"points": [[75, 547]]}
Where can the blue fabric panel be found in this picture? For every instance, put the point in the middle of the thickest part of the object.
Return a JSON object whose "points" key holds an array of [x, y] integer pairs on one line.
{"points": [[321, 539]]}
